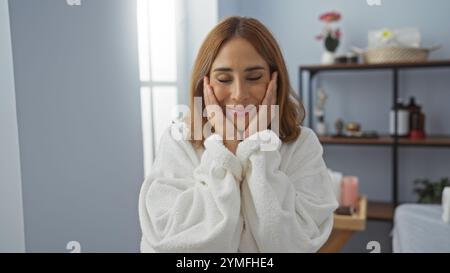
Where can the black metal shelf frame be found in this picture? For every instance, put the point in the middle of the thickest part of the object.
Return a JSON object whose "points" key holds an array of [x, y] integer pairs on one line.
{"points": [[313, 70]]}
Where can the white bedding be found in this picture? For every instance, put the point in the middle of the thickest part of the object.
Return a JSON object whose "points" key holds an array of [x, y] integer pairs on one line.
{"points": [[419, 228]]}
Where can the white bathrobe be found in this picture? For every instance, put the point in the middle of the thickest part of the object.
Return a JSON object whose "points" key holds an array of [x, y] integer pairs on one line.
{"points": [[276, 199]]}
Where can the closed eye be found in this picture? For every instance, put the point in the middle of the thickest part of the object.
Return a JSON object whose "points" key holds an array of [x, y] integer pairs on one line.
{"points": [[254, 79], [224, 81], [249, 79]]}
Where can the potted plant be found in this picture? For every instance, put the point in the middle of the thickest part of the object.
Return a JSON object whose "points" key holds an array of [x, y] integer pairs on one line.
{"points": [[430, 192], [330, 36]]}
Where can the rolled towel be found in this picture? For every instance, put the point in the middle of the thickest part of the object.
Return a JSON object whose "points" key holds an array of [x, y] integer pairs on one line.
{"points": [[446, 204]]}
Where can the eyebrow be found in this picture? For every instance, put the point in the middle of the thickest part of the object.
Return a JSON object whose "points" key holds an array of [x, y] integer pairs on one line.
{"points": [[251, 68]]}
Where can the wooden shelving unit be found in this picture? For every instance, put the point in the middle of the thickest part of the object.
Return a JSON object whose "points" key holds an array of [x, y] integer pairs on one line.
{"points": [[439, 141], [362, 66], [380, 211], [375, 210]]}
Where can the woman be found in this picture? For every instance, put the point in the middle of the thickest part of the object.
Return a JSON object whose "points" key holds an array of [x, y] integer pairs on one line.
{"points": [[247, 186]]}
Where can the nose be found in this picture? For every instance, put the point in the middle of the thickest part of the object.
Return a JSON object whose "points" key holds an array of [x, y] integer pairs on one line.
{"points": [[239, 93]]}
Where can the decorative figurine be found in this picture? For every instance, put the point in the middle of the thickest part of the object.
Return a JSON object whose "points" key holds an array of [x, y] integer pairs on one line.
{"points": [[321, 128], [353, 129], [339, 125]]}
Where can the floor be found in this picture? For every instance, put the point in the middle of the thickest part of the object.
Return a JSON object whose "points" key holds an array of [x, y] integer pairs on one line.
{"points": [[378, 231]]}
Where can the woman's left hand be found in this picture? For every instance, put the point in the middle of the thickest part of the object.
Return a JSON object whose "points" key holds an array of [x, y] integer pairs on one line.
{"points": [[265, 118]]}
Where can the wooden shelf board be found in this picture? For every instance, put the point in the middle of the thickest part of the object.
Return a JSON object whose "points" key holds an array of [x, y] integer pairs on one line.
{"points": [[364, 66], [429, 141], [437, 140], [380, 211], [382, 140]]}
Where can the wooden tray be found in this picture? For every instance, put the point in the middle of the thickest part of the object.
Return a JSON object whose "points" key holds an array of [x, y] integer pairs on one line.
{"points": [[345, 226], [356, 221]]}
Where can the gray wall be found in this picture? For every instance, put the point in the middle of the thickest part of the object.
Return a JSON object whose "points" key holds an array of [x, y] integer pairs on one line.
{"points": [[366, 97], [77, 87], [228, 8], [201, 17], [11, 209]]}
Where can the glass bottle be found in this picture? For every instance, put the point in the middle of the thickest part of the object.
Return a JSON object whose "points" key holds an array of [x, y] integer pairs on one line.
{"points": [[412, 108], [402, 120]]}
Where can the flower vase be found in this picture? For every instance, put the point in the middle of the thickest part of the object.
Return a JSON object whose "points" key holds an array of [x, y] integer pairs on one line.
{"points": [[328, 57], [321, 128]]}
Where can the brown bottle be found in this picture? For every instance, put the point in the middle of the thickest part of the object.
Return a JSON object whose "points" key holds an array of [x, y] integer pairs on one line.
{"points": [[412, 108], [418, 125]]}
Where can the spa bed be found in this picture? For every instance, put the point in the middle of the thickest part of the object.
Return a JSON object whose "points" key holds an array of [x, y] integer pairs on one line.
{"points": [[420, 228]]}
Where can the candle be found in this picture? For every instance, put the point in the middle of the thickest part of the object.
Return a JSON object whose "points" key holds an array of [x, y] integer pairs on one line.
{"points": [[349, 192]]}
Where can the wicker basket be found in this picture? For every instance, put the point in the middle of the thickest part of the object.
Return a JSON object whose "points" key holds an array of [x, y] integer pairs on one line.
{"points": [[396, 55]]}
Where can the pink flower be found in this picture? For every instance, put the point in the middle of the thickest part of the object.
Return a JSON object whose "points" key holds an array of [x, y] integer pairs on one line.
{"points": [[329, 17], [330, 35]]}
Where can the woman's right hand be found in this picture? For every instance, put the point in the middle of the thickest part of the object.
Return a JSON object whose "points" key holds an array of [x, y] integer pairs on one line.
{"points": [[222, 125]]}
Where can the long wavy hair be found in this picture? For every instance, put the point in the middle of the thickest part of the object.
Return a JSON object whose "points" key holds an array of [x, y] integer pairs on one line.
{"points": [[292, 111]]}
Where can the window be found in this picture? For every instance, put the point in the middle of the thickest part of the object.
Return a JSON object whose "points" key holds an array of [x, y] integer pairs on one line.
{"points": [[158, 62]]}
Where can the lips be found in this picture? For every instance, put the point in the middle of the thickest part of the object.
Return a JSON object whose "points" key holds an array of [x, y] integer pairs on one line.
{"points": [[236, 111], [239, 111]]}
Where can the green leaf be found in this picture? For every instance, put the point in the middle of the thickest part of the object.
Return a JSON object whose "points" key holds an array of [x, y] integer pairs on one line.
{"points": [[331, 43]]}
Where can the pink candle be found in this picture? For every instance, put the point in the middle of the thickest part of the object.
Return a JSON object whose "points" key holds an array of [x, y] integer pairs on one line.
{"points": [[349, 193]]}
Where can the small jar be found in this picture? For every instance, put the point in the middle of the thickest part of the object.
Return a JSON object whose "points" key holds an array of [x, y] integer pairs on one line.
{"points": [[402, 120]]}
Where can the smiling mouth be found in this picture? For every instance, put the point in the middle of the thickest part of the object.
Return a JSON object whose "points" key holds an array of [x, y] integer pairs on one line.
{"points": [[239, 111]]}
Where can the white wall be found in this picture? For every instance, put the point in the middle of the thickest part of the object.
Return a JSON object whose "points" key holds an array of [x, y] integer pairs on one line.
{"points": [[78, 108], [201, 17], [11, 208], [228, 8]]}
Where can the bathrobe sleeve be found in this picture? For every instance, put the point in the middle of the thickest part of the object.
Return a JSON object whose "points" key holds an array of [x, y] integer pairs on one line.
{"points": [[289, 210], [186, 206]]}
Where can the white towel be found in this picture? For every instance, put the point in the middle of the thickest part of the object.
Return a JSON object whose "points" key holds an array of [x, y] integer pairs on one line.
{"points": [[336, 177], [446, 204]]}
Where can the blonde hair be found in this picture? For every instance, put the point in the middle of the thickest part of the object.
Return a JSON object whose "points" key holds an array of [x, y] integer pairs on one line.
{"points": [[292, 112]]}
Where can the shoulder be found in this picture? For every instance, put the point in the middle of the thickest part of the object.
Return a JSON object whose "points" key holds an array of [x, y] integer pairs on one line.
{"points": [[304, 155], [307, 138], [306, 133], [175, 133], [175, 139], [306, 146]]}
